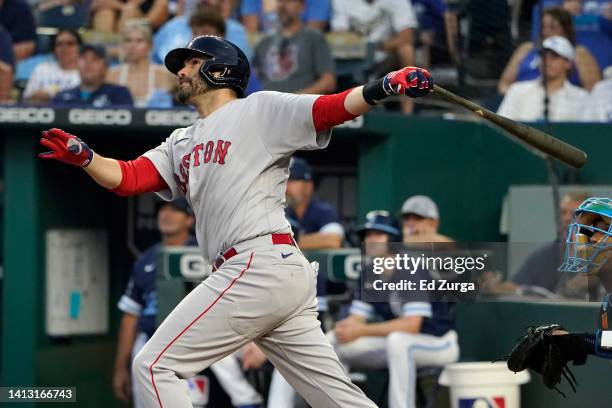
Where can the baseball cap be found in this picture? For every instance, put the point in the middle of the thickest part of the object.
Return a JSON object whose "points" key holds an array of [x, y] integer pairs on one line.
{"points": [[380, 220], [421, 205], [179, 204], [98, 50], [299, 169], [560, 46]]}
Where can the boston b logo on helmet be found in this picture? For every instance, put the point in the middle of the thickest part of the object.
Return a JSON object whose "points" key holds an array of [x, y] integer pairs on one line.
{"points": [[222, 57]]}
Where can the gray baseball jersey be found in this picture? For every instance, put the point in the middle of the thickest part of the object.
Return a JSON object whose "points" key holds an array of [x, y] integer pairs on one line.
{"points": [[232, 166]]}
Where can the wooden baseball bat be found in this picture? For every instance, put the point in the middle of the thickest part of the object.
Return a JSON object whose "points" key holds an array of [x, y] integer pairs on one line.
{"points": [[541, 141]]}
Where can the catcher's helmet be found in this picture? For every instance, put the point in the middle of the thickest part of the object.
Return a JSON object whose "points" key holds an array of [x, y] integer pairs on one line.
{"points": [[221, 56], [589, 238], [380, 220]]}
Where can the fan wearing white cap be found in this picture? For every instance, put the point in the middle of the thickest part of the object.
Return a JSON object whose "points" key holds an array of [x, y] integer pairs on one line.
{"points": [[421, 220], [524, 101]]}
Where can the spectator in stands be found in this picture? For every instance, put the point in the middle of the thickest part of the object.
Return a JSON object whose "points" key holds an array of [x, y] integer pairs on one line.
{"points": [[111, 15], [16, 17], [49, 78], [487, 36], [262, 15], [525, 62], [7, 61], [538, 274], [319, 225], [437, 32], [421, 220], [149, 83], [593, 22], [599, 108], [207, 22], [593, 25], [177, 33], [139, 307], [296, 58], [188, 7], [401, 335], [524, 101], [94, 91], [388, 25]]}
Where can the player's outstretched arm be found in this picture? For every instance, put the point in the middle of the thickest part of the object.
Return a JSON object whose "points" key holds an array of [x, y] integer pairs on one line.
{"points": [[70, 149], [410, 81], [333, 110], [123, 178]]}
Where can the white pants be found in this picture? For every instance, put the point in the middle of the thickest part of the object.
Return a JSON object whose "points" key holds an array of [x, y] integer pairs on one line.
{"points": [[228, 373], [402, 353], [259, 295]]}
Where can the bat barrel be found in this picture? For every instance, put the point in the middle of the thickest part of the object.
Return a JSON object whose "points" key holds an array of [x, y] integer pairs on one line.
{"points": [[543, 142]]}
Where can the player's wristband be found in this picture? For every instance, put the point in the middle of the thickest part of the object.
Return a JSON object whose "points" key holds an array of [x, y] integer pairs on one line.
{"points": [[374, 91], [588, 341], [90, 158], [576, 346]]}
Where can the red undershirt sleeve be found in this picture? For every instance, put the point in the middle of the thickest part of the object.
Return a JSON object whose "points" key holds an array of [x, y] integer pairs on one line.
{"points": [[139, 176], [329, 111]]}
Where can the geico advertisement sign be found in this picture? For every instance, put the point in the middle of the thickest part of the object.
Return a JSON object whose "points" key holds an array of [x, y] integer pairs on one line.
{"points": [[27, 115], [193, 266], [170, 117], [100, 117]]}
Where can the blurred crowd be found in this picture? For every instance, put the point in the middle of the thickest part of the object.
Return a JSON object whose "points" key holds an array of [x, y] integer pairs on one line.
{"points": [[535, 60]]}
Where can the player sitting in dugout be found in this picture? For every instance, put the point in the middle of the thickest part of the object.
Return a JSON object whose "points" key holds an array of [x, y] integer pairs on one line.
{"points": [[548, 349], [399, 334], [232, 166]]}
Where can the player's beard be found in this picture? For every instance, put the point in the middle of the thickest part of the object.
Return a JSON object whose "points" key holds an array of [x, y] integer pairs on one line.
{"points": [[196, 86]]}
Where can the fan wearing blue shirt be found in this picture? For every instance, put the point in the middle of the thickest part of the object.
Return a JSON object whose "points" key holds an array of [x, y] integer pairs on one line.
{"points": [[177, 33], [438, 29], [17, 18], [93, 91], [257, 16], [592, 21]]}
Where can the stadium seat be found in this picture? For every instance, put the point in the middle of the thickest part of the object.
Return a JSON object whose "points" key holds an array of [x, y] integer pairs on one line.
{"points": [[68, 16]]}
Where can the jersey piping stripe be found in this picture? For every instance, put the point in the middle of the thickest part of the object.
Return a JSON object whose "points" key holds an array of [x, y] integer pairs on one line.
{"points": [[192, 323]]}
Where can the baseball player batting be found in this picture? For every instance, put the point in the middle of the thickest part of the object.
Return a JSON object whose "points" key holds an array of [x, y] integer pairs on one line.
{"points": [[232, 166]]}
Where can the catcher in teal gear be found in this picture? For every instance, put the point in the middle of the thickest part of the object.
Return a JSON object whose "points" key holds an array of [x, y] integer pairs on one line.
{"points": [[548, 349]]}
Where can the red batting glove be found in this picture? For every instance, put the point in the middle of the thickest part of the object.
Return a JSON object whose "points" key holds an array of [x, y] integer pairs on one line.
{"points": [[66, 148], [411, 81]]}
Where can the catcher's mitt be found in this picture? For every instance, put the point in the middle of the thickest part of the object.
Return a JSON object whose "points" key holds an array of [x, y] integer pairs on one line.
{"points": [[548, 355]]}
